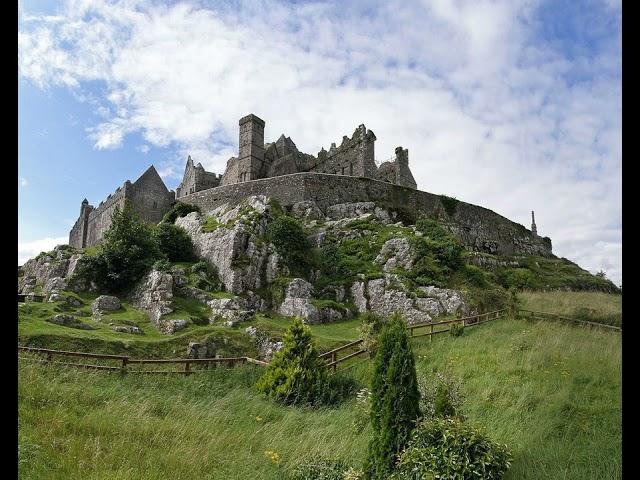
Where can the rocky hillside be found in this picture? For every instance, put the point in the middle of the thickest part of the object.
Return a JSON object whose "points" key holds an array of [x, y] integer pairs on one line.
{"points": [[324, 267]]}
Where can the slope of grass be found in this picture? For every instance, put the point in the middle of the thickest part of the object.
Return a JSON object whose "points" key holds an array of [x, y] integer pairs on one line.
{"points": [[592, 306], [550, 391]]}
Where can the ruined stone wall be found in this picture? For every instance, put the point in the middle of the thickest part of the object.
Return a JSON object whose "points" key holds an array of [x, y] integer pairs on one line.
{"points": [[150, 199], [478, 228], [76, 235], [354, 156], [100, 218]]}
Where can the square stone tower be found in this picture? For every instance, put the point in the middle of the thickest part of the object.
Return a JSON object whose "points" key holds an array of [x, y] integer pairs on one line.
{"points": [[251, 154]]}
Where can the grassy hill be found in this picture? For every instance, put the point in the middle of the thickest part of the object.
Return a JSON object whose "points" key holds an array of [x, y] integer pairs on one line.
{"points": [[551, 391]]}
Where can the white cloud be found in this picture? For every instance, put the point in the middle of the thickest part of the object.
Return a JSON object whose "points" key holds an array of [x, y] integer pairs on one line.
{"points": [[23, 182], [489, 112], [27, 250], [143, 149]]}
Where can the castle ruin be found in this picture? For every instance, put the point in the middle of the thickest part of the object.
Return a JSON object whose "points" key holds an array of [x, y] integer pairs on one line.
{"points": [[346, 173]]}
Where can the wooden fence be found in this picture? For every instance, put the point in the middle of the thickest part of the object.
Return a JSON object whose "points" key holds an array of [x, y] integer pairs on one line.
{"points": [[554, 316], [355, 349], [125, 364], [333, 357]]}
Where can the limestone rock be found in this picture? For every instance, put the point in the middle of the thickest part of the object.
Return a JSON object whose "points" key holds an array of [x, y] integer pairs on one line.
{"points": [[385, 296], [105, 303], [196, 350], [60, 263], [297, 301], [172, 326], [154, 295], [307, 210], [242, 259], [231, 311], [56, 297], [129, 329], [396, 253], [54, 285]]}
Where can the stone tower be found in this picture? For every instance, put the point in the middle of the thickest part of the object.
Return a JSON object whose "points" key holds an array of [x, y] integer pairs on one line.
{"points": [[251, 152], [534, 229]]}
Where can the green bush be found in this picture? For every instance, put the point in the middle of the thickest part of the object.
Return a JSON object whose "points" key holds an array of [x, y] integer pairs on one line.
{"points": [[456, 330], [445, 448], [321, 469], [475, 276], [288, 237], [296, 375], [127, 252], [370, 329], [395, 399], [174, 242], [179, 210], [162, 265]]}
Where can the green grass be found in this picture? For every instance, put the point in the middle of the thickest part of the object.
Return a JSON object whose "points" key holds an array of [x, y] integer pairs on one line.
{"points": [[551, 391], [35, 331], [591, 306]]}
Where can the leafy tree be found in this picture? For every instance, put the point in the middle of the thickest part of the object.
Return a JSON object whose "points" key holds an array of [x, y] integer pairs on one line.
{"points": [[395, 399], [601, 274], [126, 253], [370, 329], [296, 375], [287, 235], [179, 210], [173, 242]]}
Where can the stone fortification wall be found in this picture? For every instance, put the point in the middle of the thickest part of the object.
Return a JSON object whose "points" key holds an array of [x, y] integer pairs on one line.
{"points": [[478, 228], [100, 217], [355, 156]]}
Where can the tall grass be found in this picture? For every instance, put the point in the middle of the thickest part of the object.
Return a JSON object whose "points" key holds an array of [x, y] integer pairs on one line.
{"points": [[550, 391], [591, 306]]}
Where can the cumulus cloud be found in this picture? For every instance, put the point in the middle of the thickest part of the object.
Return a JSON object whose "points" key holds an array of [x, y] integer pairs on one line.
{"points": [[27, 250], [491, 109]]}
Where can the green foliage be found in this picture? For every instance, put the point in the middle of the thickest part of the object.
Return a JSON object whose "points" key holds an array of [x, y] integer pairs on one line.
{"points": [[201, 267], [516, 278], [450, 204], [370, 329], [127, 252], [174, 242], [446, 448], [395, 399], [296, 375], [475, 276], [209, 224], [179, 210], [331, 261], [592, 315], [456, 330], [440, 395], [487, 299], [321, 469], [162, 265], [288, 237], [515, 304]]}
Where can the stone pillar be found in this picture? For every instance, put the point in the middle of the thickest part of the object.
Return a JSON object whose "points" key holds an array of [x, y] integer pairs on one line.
{"points": [[251, 151], [534, 229]]}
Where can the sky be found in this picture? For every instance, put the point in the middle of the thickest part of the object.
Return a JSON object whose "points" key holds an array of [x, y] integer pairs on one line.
{"points": [[514, 105]]}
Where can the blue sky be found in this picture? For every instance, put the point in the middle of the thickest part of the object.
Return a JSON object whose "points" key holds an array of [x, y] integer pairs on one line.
{"points": [[514, 105]]}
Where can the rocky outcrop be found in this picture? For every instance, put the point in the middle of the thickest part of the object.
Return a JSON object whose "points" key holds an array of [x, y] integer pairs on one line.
{"points": [[307, 210], [232, 311], [59, 263], [386, 296], [154, 295], [267, 347], [243, 260], [69, 321], [396, 253], [54, 285], [129, 329], [359, 209], [172, 326], [105, 303], [297, 301]]}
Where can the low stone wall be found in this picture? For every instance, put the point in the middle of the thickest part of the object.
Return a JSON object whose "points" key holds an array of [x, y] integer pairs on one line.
{"points": [[477, 228]]}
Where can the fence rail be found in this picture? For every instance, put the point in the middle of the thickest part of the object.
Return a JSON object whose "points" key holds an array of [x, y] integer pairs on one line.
{"points": [[126, 363], [555, 316], [331, 357]]}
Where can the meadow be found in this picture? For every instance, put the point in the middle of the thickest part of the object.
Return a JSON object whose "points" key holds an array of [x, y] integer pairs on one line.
{"points": [[550, 391]]}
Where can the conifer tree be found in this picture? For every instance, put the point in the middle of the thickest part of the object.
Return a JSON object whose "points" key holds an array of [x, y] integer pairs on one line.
{"points": [[296, 375], [395, 399]]}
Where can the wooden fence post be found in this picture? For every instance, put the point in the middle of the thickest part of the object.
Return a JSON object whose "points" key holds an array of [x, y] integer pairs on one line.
{"points": [[125, 360], [187, 368], [431, 333]]}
